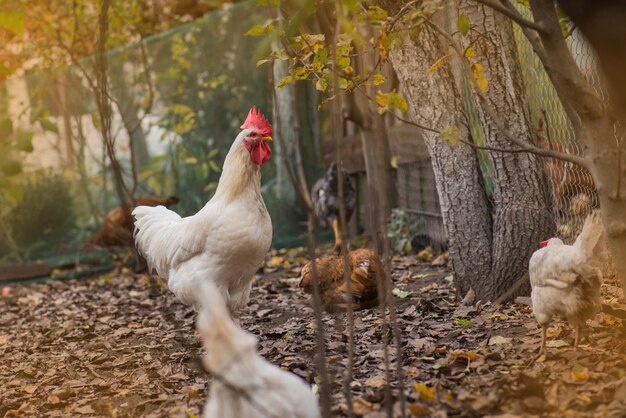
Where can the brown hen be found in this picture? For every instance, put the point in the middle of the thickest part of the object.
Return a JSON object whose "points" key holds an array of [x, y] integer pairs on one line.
{"points": [[364, 267], [117, 228]]}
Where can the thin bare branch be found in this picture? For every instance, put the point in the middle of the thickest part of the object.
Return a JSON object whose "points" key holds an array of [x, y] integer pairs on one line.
{"points": [[513, 14]]}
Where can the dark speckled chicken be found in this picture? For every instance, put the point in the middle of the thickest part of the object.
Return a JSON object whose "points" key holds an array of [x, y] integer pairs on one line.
{"points": [[325, 196], [364, 267]]}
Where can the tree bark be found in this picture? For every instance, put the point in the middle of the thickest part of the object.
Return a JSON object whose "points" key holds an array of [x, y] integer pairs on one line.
{"points": [[435, 101], [489, 251], [522, 209]]}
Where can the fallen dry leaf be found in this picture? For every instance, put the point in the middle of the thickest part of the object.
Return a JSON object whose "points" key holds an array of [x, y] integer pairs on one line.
{"points": [[424, 391]]}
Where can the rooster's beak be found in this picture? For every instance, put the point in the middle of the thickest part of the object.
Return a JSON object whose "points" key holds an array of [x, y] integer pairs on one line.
{"points": [[266, 138]]}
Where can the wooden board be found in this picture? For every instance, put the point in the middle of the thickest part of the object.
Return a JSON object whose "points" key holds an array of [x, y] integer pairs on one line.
{"points": [[24, 271], [405, 141]]}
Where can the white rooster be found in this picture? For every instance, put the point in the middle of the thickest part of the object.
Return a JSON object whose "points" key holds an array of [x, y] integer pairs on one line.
{"points": [[245, 385], [226, 241], [566, 279]]}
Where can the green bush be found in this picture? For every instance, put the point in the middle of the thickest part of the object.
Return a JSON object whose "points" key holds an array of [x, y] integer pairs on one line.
{"points": [[45, 218]]}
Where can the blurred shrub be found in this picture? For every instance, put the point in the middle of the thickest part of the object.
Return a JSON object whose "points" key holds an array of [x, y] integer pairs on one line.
{"points": [[45, 217]]}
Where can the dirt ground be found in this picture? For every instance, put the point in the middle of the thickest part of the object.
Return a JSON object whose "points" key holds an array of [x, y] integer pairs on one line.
{"points": [[118, 345]]}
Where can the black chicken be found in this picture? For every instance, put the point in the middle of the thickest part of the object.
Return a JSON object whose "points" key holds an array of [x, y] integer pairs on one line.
{"points": [[325, 196]]}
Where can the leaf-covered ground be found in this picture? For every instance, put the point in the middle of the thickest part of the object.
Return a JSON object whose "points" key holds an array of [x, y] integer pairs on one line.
{"points": [[118, 346]]}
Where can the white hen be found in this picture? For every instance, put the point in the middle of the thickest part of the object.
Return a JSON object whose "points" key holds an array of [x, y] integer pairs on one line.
{"points": [[226, 241], [245, 385], [566, 279]]}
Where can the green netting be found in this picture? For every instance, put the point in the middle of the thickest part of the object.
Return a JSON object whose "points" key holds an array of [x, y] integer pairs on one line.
{"points": [[180, 95]]}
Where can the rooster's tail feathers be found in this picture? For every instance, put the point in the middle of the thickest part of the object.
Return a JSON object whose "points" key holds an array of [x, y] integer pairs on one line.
{"points": [[155, 235], [591, 238]]}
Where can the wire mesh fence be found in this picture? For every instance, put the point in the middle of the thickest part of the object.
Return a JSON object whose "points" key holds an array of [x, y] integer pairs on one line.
{"points": [[571, 186]]}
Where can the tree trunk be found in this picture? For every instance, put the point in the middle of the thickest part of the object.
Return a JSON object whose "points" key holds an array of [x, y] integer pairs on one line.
{"points": [[522, 209], [489, 251], [434, 101]]}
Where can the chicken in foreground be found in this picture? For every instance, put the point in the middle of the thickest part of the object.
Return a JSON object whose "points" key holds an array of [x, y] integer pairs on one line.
{"points": [[226, 241], [364, 268], [245, 385], [325, 197], [117, 228], [566, 279]]}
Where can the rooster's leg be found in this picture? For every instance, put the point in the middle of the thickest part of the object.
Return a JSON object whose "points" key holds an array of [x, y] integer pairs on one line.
{"points": [[337, 247], [577, 337]]}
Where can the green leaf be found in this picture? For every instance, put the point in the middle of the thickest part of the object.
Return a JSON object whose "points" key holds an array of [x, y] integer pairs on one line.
{"points": [[49, 126], [376, 13], [451, 135], [262, 61], [395, 101], [301, 73], [469, 53], [463, 24], [321, 84], [214, 166], [464, 322], [12, 21], [378, 79], [286, 80], [260, 30], [343, 62]]}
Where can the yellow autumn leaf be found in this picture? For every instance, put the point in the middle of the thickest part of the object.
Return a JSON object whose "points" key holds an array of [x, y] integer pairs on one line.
{"points": [[438, 63], [580, 373], [424, 391], [381, 99], [479, 75], [276, 261], [461, 353], [608, 319]]}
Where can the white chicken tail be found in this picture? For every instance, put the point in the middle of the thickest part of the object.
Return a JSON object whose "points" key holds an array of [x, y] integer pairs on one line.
{"points": [[591, 238], [155, 236], [223, 341]]}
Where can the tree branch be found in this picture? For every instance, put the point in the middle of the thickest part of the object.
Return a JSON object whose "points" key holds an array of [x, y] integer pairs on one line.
{"points": [[512, 13]]}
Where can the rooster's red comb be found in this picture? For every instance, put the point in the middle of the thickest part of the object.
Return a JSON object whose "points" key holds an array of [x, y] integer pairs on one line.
{"points": [[256, 120]]}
